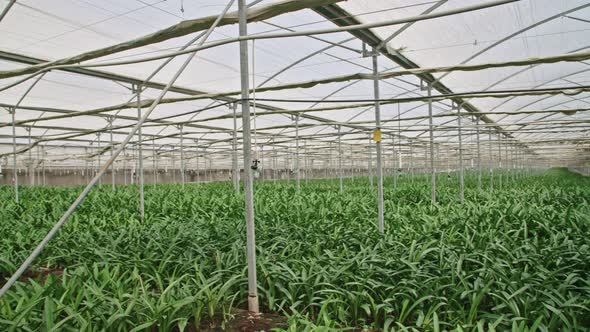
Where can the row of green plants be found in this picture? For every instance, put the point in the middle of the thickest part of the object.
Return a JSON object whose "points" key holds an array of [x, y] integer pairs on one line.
{"points": [[512, 259]]}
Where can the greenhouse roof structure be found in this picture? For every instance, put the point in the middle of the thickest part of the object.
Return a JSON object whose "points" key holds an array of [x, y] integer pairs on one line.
{"points": [[311, 77]]}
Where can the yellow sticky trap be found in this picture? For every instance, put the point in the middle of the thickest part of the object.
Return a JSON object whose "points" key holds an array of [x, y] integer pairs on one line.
{"points": [[377, 135]]}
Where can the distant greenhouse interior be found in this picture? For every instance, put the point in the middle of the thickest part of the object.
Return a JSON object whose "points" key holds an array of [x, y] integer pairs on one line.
{"points": [[297, 165]]}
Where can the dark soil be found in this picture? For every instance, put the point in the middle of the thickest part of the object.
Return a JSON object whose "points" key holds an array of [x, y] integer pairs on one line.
{"points": [[39, 275], [242, 321]]}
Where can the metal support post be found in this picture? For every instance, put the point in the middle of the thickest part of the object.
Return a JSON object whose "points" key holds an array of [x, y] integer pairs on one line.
{"points": [[137, 91], [181, 128], [305, 162], [12, 112], [500, 169], [431, 132], [394, 165], [340, 159], [30, 171], [44, 154], [491, 161], [197, 157], [411, 161], [461, 170], [274, 161], [508, 162], [125, 166], [98, 157], [235, 170], [37, 170], [380, 221], [297, 153], [370, 165], [248, 183], [478, 155], [154, 161], [110, 120], [351, 164]]}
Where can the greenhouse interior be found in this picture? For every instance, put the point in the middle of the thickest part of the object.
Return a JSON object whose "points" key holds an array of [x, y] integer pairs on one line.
{"points": [[295, 165]]}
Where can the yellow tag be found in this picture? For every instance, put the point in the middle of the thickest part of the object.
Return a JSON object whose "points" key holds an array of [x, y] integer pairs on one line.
{"points": [[377, 135]]}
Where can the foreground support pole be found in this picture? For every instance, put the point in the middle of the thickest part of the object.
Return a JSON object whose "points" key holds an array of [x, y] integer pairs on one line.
{"points": [[393, 164], [98, 158], [235, 170], [44, 154], [154, 161], [181, 128], [248, 183], [501, 169], [274, 161], [431, 133], [110, 120], [461, 171], [490, 163], [340, 159], [411, 161], [478, 155], [197, 161], [377, 138], [370, 165], [306, 162], [351, 164], [137, 91], [297, 153], [37, 164], [12, 112], [30, 163]]}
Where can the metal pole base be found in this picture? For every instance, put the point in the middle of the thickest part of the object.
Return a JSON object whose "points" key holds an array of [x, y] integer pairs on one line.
{"points": [[253, 304]]}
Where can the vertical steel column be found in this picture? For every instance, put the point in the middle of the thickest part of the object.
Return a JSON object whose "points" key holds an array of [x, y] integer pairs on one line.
{"points": [[399, 145], [426, 163], [110, 120], [431, 133], [44, 154], [248, 183], [370, 164], [197, 157], [305, 162], [85, 161], [380, 221], [490, 161], [411, 162], [351, 164], [37, 170], [98, 158], [461, 171], [154, 161], [12, 112], [235, 171], [393, 164], [340, 159], [478, 154], [125, 166], [181, 128], [210, 168], [137, 90], [508, 162], [297, 153], [500, 170], [30, 164], [274, 161]]}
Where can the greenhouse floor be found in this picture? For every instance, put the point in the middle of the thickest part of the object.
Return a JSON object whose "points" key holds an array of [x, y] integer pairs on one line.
{"points": [[515, 256]]}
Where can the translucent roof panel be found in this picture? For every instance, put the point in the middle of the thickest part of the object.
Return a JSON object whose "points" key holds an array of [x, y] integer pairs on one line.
{"points": [[53, 30]]}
